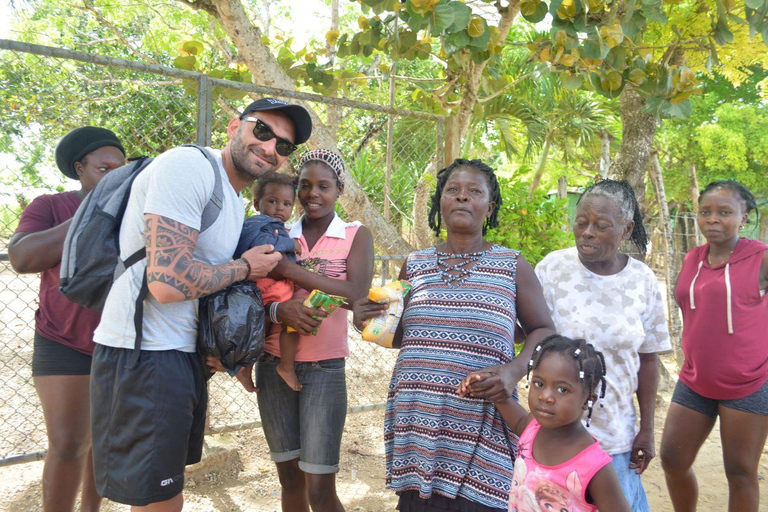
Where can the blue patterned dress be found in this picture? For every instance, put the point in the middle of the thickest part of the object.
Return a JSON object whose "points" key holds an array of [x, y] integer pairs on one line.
{"points": [[436, 441]]}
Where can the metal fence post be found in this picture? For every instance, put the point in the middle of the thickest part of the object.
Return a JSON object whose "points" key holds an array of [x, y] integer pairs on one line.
{"points": [[204, 111]]}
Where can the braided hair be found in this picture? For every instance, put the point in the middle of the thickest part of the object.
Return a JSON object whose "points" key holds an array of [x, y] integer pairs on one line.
{"points": [[436, 220], [591, 363], [272, 178], [621, 192], [736, 188]]}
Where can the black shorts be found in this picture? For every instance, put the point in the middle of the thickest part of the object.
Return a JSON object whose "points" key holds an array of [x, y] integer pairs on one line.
{"points": [[53, 358], [756, 403], [147, 423]]}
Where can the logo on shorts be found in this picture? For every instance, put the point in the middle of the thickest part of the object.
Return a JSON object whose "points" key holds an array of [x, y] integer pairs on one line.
{"points": [[169, 481]]}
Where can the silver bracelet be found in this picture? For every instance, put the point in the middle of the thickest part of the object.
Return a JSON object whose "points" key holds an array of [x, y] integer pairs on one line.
{"points": [[273, 312]]}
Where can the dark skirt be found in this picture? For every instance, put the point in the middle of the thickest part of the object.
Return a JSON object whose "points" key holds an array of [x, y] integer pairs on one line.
{"points": [[410, 502]]}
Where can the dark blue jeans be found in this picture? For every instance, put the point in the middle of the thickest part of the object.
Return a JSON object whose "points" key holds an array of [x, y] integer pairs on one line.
{"points": [[307, 424]]}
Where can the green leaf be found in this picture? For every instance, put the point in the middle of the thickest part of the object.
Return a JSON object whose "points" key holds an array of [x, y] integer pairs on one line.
{"points": [[481, 42], [594, 50], [755, 4], [415, 20], [441, 19], [680, 110], [737, 20], [765, 34], [652, 10], [187, 62], [538, 14], [631, 26], [617, 58], [407, 38], [723, 35], [461, 16], [192, 47], [456, 42], [571, 81], [365, 37]]}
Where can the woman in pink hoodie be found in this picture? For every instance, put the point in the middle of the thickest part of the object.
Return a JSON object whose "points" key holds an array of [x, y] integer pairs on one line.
{"points": [[721, 292]]}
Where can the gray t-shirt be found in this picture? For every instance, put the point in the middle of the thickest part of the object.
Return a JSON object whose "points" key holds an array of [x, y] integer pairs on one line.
{"points": [[177, 184]]}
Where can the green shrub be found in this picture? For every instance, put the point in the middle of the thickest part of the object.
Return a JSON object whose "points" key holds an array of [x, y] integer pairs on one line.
{"points": [[535, 226]]}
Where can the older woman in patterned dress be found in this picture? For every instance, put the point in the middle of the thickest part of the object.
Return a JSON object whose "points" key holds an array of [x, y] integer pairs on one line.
{"points": [[445, 452]]}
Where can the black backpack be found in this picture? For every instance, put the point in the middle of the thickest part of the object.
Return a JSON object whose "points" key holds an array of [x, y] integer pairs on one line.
{"points": [[91, 259]]}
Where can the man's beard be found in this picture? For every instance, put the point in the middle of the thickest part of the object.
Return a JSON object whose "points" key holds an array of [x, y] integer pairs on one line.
{"points": [[245, 168]]}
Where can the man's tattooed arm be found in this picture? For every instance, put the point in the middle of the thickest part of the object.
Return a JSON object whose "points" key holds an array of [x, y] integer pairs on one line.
{"points": [[172, 273]]}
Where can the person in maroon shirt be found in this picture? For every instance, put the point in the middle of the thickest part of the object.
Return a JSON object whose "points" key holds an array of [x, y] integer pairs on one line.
{"points": [[721, 291], [63, 342]]}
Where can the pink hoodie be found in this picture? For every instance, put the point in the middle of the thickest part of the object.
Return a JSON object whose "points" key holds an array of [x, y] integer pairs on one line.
{"points": [[725, 322]]}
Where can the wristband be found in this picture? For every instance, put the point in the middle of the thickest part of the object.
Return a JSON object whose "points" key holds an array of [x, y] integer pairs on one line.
{"points": [[248, 266], [359, 331], [273, 312]]}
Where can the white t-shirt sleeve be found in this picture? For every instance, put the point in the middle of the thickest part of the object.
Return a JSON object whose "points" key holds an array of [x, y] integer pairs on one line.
{"points": [[180, 186], [654, 320]]}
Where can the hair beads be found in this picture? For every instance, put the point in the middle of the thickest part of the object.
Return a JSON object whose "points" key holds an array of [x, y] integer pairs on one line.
{"points": [[591, 364]]}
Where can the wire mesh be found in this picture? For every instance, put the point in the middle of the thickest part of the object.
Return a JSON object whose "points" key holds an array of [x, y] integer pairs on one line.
{"points": [[153, 109]]}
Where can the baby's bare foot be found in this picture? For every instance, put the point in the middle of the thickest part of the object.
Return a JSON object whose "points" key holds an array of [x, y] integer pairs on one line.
{"points": [[288, 374]]}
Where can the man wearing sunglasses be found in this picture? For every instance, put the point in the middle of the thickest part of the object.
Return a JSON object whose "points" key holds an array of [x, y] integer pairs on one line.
{"points": [[148, 414]]}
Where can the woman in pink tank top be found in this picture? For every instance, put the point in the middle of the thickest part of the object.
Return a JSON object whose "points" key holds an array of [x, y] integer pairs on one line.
{"points": [[303, 428]]}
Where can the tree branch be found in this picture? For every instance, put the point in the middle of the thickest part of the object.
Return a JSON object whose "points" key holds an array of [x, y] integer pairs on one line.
{"points": [[90, 8]]}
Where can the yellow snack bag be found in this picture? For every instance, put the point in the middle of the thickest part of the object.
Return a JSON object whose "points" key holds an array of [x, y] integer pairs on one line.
{"points": [[381, 329], [323, 301]]}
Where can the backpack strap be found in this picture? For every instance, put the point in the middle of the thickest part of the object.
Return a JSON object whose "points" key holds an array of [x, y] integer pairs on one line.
{"points": [[210, 214], [215, 203]]}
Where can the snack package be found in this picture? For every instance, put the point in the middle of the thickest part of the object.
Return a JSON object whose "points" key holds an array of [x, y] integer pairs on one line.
{"points": [[324, 302], [381, 329]]}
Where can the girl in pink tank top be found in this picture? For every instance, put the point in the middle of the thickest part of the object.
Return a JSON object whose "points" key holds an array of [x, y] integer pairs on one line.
{"points": [[559, 465]]}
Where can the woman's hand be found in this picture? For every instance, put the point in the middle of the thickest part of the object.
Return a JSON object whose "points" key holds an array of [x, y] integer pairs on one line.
{"points": [[642, 451], [295, 314], [500, 382], [364, 309], [466, 388]]}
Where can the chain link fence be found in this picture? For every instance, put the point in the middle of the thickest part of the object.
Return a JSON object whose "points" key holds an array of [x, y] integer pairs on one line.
{"points": [[46, 92]]}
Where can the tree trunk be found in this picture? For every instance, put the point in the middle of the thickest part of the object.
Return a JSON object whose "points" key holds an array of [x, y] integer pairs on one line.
{"points": [[638, 129], [456, 127], [266, 71], [605, 153], [541, 166], [763, 226], [334, 112], [695, 199], [675, 329]]}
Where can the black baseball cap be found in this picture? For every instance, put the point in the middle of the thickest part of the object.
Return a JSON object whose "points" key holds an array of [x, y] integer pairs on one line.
{"points": [[297, 114]]}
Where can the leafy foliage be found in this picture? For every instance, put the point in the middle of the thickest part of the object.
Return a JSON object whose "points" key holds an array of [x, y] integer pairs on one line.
{"points": [[536, 226]]}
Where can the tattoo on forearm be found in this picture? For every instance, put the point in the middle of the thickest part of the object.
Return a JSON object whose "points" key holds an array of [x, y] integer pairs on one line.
{"points": [[170, 248]]}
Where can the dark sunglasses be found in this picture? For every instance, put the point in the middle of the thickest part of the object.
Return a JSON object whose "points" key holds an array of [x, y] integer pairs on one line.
{"points": [[263, 132]]}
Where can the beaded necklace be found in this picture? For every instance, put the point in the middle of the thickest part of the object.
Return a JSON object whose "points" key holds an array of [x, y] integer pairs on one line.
{"points": [[463, 272]]}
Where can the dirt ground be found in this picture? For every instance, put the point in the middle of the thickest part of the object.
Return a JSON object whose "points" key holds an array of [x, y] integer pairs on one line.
{"points": [[239, 476]]}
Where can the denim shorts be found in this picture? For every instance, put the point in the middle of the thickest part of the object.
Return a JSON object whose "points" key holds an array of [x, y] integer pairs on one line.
{"points": [[307, 424], [756, 403], [631, 484]]}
